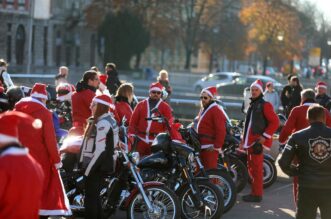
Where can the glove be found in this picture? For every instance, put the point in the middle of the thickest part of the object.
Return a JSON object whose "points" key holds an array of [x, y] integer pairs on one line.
{"points": [[58, 165], [257, 148]]}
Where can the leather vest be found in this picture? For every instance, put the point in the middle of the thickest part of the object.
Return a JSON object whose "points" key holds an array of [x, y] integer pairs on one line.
{"points": [[259, 122]]}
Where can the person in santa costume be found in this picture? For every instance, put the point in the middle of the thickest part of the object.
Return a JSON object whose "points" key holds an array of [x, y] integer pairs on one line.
{"points": [[101, 136], [147, 130], [124, 98], [321, 95], [260, 124], [21, 176], [81, 101], [297, 121], [43, 147], [210, 125]]}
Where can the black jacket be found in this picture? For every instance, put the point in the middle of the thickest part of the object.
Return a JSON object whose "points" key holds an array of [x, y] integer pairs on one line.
{"points": [[112, 82], [294, 98], [312, 147], [324, 100]]}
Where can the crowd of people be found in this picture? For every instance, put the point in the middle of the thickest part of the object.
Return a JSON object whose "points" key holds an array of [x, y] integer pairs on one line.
{"points": [[100, 102]]}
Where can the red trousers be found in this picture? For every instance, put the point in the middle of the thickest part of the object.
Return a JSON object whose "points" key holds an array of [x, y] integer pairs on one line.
{"points": [[143, 148], [255, 170], [209, 159]]}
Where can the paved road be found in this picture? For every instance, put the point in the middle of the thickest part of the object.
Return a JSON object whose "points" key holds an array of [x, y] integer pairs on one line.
{"points": [[277, 203]]}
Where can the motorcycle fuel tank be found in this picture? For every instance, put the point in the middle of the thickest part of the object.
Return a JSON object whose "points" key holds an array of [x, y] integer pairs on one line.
{"points": [[154, 161]]}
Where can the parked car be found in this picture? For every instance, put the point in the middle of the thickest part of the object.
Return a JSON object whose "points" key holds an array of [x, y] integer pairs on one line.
{"points": [[237, 86], [215, 78]]}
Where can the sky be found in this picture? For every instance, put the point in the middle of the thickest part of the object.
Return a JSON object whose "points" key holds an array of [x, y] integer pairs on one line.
{"points": [[324, 6]]}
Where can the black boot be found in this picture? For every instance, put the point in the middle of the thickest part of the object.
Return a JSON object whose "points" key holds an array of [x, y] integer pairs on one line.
{"points": [[252, 198]]}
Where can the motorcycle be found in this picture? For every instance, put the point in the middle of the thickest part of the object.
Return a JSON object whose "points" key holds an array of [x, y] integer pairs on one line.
{"points": [[218, 176], [172, 162], [269, 167], [126, 190]]}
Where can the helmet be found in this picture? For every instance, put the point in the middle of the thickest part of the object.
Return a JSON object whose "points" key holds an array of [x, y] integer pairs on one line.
{"points": [[64, 91], [14, 95]]}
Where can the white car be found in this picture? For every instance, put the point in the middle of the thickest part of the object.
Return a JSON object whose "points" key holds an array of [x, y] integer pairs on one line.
{"points": [[215, 78]]}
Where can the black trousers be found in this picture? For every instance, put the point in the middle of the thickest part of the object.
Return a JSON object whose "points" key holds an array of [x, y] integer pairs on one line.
{"points": [[310, 199], [93, 209]]}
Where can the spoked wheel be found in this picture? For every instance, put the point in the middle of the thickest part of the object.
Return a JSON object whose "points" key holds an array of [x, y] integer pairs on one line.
{"points": [[212, 197], [224, 181], [165, 204], [239, 173]]}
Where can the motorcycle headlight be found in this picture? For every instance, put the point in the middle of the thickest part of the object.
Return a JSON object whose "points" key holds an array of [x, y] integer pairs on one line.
{"points": [[135, 157], [191, 157]]}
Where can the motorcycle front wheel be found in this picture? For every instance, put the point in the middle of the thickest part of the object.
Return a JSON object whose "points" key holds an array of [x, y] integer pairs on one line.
{"points": [[212, 197], [239, 173], [165, 204], [269, 172]]}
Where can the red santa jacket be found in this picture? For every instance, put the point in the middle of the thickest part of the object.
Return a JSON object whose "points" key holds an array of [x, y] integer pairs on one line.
{"points": [[272, 125], [123, 109], [147, 130], [43, 147], [297, 120], [81, 101], [211, 126], [21, 182]]}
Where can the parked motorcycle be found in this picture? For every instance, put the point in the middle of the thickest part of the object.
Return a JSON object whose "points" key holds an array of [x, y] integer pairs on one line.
{"points": [[219, 177], [173, 163], [125, 189]]}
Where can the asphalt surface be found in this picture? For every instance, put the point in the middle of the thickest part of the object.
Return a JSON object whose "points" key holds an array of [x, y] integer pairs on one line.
{"points": [[277, 203]]}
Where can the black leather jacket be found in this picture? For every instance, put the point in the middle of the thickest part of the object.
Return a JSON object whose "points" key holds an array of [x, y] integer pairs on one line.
{"points": [[312, 147], [255, 112], [324, 100]]}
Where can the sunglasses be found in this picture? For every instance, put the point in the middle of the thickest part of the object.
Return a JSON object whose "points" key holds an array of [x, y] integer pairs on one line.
{"points": [[156, 92], [203, 97]]}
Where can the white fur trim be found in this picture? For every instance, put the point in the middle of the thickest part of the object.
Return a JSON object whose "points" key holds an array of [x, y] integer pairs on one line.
{"points": [[266, 135], [258, 86], [204, 146], [322, 86], [7, 138], [15, 151], [55, 212], [39, 95], [204, 113], [208, 92], [58, 165], [30, 99], [102, 102], [155, 89]]}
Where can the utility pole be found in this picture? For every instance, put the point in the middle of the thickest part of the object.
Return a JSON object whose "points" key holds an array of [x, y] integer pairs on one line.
{"points": [[28, 66]]}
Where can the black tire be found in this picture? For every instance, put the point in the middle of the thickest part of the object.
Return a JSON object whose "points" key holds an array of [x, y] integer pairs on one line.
{"points": [[205, 187], [227, 186], [239, 173], [269, 172], [138, 205]]}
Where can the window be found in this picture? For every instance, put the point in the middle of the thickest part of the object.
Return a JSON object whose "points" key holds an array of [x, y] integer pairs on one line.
{"points": [[20, 44], [221, 77], [45, 45], [9, 44]]}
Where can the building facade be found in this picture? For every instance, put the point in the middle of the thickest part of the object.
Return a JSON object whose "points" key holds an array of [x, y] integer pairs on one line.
{"points": [[57, 31]]}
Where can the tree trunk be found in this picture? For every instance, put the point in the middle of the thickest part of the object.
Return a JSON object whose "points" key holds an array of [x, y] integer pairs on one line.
{"points": [[265, 64], [188, 59], [211, 62], [138, 59]]}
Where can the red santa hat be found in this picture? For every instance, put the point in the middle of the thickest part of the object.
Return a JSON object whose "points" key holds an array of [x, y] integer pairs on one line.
{"points": [[321, 84], [258, 83], [39, 91], [155, 87], [211, 91], [9, 122], [103, 78], [103, 99]]}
